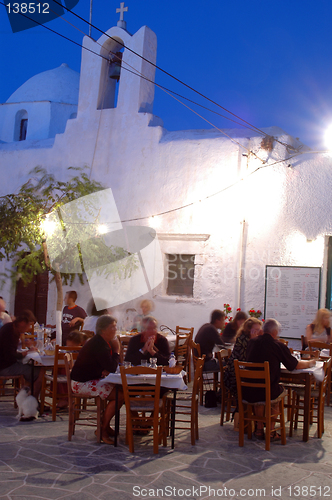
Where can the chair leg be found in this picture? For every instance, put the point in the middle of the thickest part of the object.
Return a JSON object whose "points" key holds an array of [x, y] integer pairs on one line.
{"points": [[155, 432], [99, 417], [292, 415], [223, 402], [42, 396], [201, 391], [282, 422], [241, 427], [267, 428]]}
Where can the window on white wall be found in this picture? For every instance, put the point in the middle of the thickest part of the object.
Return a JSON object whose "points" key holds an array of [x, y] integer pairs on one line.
{"points": [[23, 129], [21, 125], [180, 274]]}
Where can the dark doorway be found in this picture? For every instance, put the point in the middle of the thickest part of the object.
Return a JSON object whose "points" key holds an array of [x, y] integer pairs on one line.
{"points": [[33, 296], [328, 303]]}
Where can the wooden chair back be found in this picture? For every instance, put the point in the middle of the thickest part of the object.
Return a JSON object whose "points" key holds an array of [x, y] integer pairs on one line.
{"points": [[317, 344], [283, 341], [124, 342], [195, 352], [257, 375], [182, 350], [141, 398], [50, 380]]}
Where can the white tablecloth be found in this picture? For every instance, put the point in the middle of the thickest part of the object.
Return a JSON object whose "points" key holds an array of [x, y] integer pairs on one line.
{"points": [[316, 370], [39, 359], [171, 381]]}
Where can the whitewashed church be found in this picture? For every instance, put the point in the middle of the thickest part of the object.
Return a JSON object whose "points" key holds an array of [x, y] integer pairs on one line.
{"points": [[230, 204]]}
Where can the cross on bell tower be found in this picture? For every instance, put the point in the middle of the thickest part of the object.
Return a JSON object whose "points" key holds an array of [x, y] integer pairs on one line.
{"points": [[121, 23]]}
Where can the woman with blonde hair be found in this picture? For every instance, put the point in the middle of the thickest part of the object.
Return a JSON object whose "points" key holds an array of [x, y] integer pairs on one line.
{"points": [[320, 329], [250, 329]]}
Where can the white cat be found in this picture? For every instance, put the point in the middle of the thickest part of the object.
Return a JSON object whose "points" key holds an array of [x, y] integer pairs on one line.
{"points": [[27, 405]]}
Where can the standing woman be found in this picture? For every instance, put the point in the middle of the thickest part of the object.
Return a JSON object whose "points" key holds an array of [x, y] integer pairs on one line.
{"points": [[250, 329], [320, 329], [229, 334]]}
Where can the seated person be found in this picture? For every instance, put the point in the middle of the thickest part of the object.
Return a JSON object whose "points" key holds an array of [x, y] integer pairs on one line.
{"points": [[320, 329], [91, 320], [250, 329], [97, 358], [208, 337], [266, 347], [4, 316], [148, 344], [72, 315], [229, 334], [10, 358]]}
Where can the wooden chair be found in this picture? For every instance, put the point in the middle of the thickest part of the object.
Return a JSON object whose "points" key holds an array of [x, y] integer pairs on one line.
{"points": [[314, 345], [141, 398], [124, 342], [182, 350], [257, 375], [317, 402], [76, 408], [14, 385], [51, 380], [283, 341], [206, 381], [88, 333], [186, 406], [227, 400]]}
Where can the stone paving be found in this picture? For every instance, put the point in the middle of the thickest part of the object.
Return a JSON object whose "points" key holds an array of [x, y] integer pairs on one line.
{"points": [[37, 462]]}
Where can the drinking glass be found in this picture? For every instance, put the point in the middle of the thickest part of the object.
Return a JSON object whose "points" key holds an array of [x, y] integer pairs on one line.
{"points": [[127, 364], [153, 362], [144, 362]]}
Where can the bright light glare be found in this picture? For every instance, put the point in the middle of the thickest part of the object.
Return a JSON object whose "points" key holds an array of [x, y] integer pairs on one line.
{"points": [[328, 138], [102, 229], [48, 226], [154, 222]]}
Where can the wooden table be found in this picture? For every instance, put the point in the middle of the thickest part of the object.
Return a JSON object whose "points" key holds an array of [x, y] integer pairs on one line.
{"points": [[170, 381], [303, 377]]}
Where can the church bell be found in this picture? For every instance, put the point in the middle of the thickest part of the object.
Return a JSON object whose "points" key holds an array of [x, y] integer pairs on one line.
{"points": [[115, 66]]}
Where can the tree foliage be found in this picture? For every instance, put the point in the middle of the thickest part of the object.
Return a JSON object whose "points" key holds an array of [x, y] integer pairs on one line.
{"points": [[21, 237]]}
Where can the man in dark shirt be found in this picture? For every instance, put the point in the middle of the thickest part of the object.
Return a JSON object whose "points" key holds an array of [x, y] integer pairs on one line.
{"points": [[9, 356], [148, 344], [266, 347], [208, 337], [72, 315]]}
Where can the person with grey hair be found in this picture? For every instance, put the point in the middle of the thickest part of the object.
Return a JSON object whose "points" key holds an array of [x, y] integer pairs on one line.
{"points": [[148, 344], [267, 347], [97, 358]]}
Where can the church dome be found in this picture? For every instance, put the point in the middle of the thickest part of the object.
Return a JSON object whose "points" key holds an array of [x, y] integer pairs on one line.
{"points": [[55, 85]]}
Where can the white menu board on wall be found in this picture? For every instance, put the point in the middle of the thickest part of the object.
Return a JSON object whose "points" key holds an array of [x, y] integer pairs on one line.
{"points": [[292, 297]]}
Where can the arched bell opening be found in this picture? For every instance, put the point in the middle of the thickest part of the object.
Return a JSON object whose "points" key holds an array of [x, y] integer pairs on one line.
{"points": [[112, 52]]}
